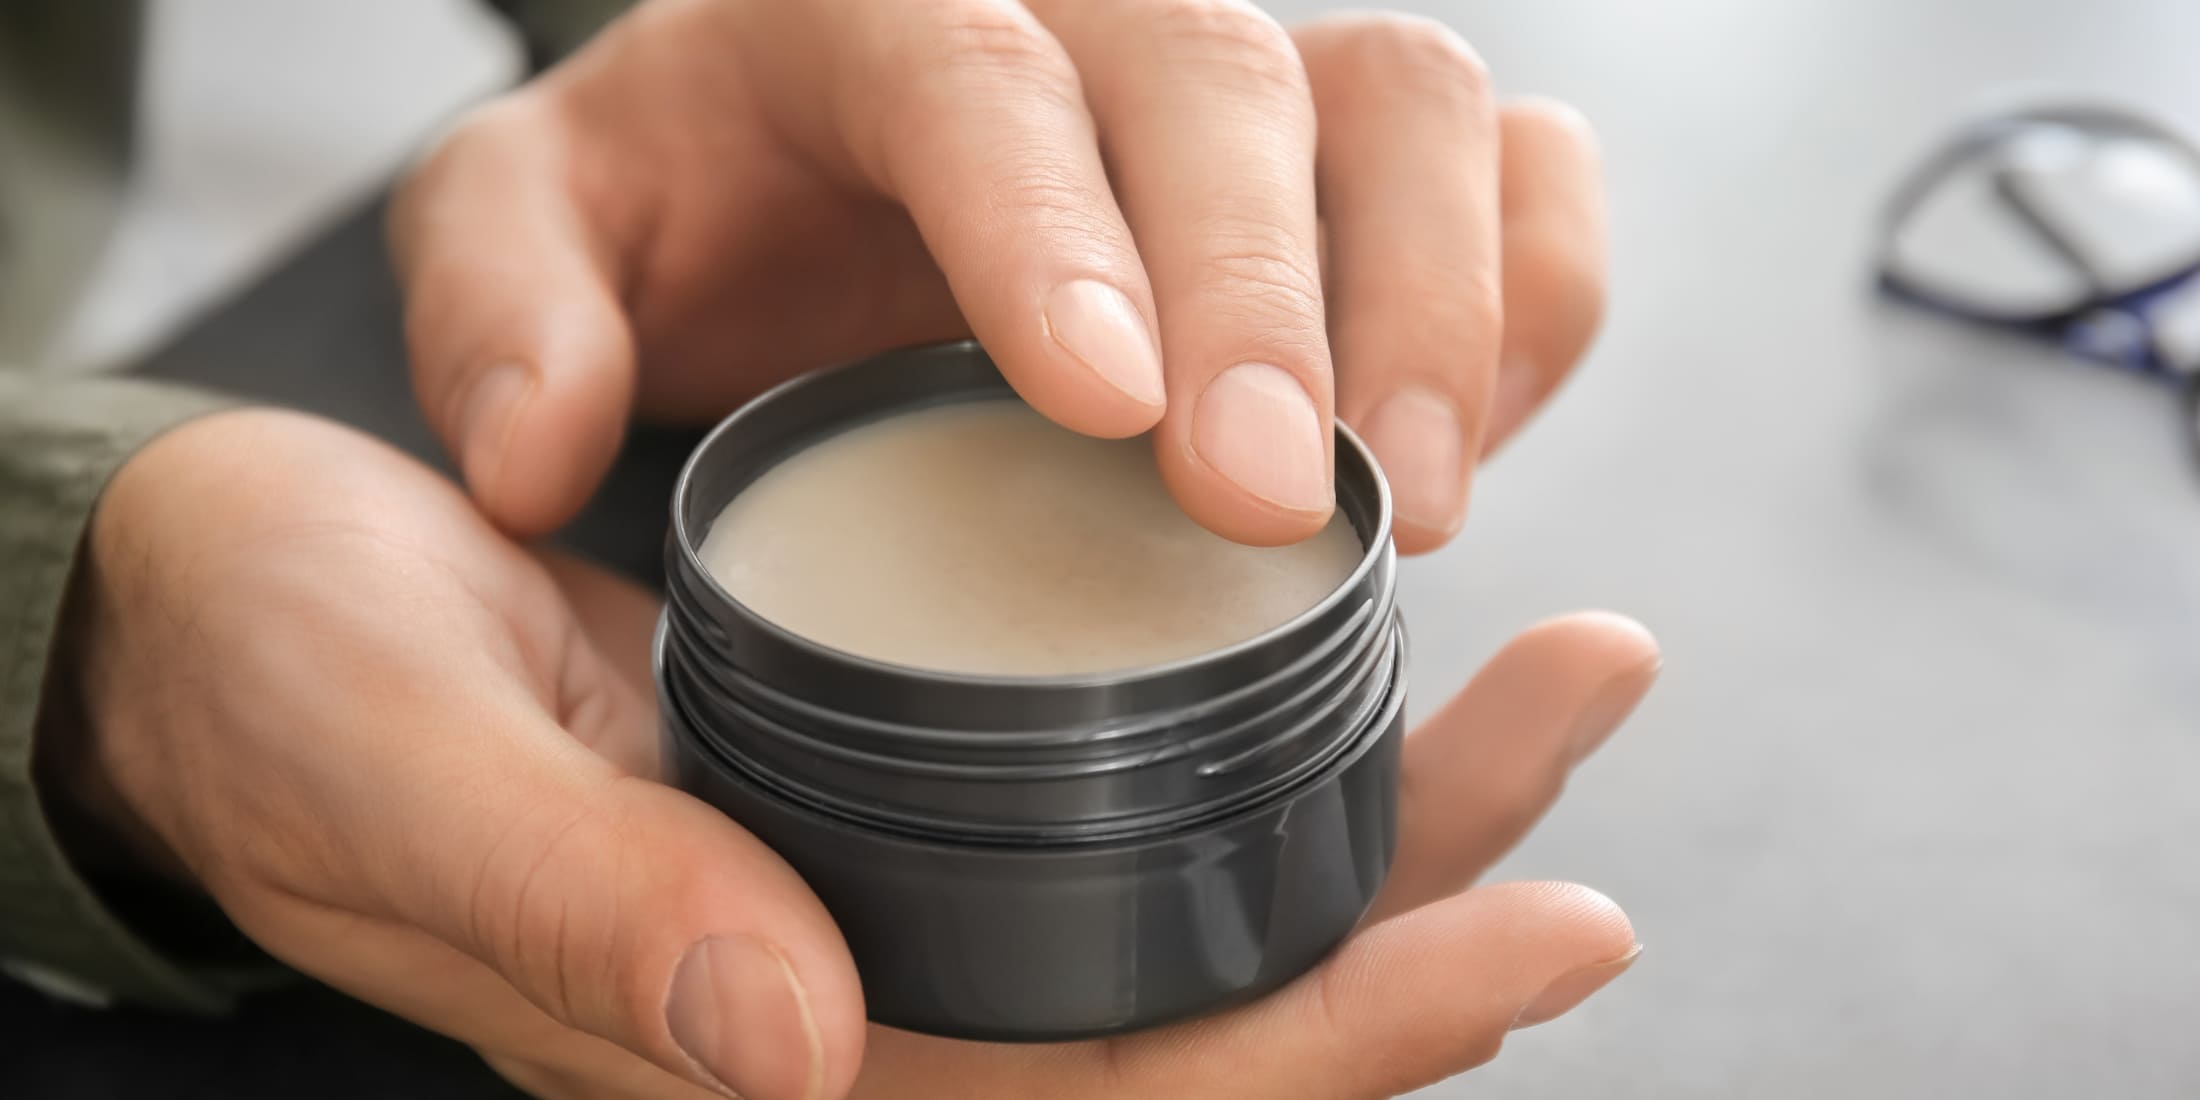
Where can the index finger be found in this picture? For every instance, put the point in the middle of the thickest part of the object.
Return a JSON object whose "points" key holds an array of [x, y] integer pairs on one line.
{"points": [[521, 355], [1208, 123], [969, 114]]}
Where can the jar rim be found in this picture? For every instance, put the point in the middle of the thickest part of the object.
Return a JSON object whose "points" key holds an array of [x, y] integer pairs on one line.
{"points": [[1375, 545], [996, 753]]}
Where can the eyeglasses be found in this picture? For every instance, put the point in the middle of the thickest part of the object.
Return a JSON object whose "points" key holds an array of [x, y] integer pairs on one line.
{"points": [[2075, 223]]}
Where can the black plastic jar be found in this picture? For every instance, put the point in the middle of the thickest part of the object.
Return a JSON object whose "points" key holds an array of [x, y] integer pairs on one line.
{"points": [[1041, 858]]}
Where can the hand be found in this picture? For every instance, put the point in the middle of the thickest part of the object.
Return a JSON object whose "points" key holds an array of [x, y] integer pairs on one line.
{"points": [[415, 761], [1125, 200]]}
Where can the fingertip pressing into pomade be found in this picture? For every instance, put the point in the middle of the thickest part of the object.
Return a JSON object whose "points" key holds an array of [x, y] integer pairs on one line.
{"points": [[981, 538]]}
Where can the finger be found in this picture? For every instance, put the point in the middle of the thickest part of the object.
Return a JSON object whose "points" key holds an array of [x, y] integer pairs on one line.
{"points": [[1409, 189], [1208, 127], [521, 354], [1403, 1004], [1554, 256], [616, 906], [969, 114], [1481, 771], [652, 920]]}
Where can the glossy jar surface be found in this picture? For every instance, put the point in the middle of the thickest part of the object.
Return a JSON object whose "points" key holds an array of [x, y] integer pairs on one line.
{"points": [[1041, 858]]}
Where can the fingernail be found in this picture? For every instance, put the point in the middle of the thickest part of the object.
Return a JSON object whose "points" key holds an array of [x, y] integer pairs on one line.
{"points": [[1099, 326], [1572, 988], [1417, 435], [1256, 426], [1609, 707], [485, 419], [738, 1011]]}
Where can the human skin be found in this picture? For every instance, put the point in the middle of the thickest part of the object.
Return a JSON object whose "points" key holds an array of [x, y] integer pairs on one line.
{"points": [[417, 760], [1172, 215]]}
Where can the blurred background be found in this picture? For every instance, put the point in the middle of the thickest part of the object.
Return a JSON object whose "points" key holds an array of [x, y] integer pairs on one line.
{"points": [[1912, 812]]}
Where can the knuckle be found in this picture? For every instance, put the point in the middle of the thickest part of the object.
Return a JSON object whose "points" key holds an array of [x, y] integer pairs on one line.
{"points": [[1266, 293], [1230, 38], [1252, 266], [1417, 55], [983, 38], [521, 914], [1455, 317], [970, 55], [1044, 196], [1048, 198]]}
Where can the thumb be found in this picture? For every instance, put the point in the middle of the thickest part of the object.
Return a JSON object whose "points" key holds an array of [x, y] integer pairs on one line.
{"points": [[630, 911], [521, 355]]}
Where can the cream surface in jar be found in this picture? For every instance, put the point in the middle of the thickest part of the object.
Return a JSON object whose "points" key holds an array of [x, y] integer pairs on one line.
{"points": [[978, 537]]}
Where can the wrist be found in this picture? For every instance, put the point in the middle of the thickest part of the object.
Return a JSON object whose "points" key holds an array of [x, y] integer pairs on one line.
{"points": [[95, 825], [136, 876], [104, 763]]}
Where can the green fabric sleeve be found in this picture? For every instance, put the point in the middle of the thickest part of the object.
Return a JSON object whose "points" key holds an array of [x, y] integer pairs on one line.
{"points": [[61, 439]]}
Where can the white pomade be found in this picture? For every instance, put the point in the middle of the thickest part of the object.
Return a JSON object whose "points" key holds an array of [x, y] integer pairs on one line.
{"points": [[981, 538]]}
